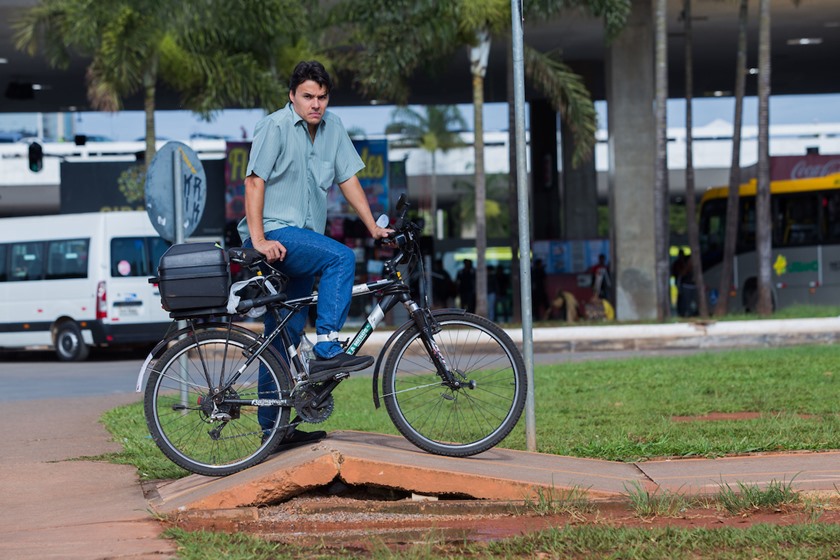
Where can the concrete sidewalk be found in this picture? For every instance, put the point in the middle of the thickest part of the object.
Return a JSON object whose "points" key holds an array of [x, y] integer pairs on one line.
{"points": [[57, 506]]}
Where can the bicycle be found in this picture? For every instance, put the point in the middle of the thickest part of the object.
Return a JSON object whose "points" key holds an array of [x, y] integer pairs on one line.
{"points": [[453, 383]]}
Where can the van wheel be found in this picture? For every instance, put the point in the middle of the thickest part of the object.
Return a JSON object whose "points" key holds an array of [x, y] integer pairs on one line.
{"points": [[69, 344]]}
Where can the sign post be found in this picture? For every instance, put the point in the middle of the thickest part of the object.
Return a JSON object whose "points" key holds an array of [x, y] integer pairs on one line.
{"points": [[176, 191]]}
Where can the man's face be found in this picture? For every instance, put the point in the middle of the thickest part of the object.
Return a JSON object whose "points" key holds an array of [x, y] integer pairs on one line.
{"points": [[310, 100]]}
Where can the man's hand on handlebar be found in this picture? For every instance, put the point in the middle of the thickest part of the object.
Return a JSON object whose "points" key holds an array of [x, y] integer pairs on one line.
{"points": [[273, 250], [382, 234]]}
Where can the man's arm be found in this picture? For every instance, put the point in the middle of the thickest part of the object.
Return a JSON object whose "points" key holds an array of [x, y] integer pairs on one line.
{"points": [[355, 195], [254, 203]]}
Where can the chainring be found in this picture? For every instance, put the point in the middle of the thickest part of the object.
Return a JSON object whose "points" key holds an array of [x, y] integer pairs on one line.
{"points": [[309, 413]]}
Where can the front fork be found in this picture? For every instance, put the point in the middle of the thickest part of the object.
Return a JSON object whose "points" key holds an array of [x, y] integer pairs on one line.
{"points": [[428, 326]]}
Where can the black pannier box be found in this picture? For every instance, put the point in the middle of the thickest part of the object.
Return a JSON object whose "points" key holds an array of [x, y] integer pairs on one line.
{"points": [[194, 276]]}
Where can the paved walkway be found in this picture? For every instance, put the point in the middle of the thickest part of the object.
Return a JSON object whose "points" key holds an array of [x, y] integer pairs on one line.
{"points": [[57, 506], [54, 506]]}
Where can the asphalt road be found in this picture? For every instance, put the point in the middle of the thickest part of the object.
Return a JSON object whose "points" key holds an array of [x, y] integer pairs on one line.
{"points": [[40, 375]]}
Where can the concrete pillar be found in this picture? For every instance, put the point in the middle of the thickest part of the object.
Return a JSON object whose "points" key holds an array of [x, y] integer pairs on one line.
{"points": [[632, 154], [544, 176], [579, 200]]}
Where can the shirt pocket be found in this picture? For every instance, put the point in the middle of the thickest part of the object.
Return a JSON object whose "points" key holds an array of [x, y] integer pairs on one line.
{"points": [[326, 174]]}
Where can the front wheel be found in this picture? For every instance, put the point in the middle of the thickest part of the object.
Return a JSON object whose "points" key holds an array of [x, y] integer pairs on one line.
{"points": [[466, 420], [199, 422]]}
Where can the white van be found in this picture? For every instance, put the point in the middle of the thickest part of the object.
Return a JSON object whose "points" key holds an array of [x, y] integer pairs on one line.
{"points": [[76, 281]]}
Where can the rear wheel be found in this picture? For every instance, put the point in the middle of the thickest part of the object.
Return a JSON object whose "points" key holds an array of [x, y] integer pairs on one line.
{"points": [[204, 427], [461, 421], [69, 344]]}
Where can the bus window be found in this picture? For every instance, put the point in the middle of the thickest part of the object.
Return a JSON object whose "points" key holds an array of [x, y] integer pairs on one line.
{"points": [[830, 212], [4, 275], [27, 261], [67, 259], [129, 257], [746, 230], [712, 231], [796, 222]]}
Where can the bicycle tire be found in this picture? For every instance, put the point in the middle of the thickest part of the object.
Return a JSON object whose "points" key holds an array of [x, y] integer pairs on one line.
{"points": [[456, 422], [181, 418]]}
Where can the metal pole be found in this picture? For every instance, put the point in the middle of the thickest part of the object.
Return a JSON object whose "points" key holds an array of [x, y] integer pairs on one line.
{"points": [[178, 195], [178, 189], [524, 225]]}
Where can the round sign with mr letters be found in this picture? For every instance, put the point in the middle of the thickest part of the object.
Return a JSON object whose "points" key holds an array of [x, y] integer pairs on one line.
{"points": [[160, 189]]}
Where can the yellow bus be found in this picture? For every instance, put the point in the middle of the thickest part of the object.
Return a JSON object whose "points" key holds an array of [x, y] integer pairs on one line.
{"points": [[806, 243]]}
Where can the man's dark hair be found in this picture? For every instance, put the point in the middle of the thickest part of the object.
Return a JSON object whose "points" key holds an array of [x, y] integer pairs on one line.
{"points": [[310, 70]]}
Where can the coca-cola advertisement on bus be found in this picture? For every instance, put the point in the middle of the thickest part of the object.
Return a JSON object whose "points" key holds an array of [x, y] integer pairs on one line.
{"points": [[803, 167]]}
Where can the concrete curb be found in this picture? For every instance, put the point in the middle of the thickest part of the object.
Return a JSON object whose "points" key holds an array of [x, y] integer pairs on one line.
{"points": [[666, 336], [384, 461]]}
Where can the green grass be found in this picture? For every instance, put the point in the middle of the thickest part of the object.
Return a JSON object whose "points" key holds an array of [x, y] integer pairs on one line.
{"points": [[658, 503], [553, 501], [751, 497], [621, 410], [805, 541]]}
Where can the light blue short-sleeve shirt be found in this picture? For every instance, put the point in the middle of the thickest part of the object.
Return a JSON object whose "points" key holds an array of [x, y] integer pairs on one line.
{"points": [[297, 171]]}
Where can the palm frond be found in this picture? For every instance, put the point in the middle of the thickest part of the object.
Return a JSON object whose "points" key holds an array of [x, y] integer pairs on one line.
{"points": [[568, 95], [614, 12]]}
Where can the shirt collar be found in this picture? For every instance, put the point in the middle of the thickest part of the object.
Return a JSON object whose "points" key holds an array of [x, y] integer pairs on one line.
{"points": [[297, 119]]}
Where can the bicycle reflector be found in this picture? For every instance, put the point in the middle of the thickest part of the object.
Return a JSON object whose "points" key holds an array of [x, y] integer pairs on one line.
{"points": [[36, 157]]}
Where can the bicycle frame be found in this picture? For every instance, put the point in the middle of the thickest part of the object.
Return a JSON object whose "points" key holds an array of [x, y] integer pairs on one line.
{"points": [[394, 290]]}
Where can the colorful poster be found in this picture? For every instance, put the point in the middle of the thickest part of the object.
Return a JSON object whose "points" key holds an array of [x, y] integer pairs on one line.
{"points": [[570, 257], [374, 180], [236, 162]]}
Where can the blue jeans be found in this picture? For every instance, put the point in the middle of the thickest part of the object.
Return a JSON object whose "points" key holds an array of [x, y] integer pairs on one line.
{"points": [[309, 254]]}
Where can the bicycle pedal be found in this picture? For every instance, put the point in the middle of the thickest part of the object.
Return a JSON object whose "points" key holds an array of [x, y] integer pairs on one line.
{"points": [[342, 375]]}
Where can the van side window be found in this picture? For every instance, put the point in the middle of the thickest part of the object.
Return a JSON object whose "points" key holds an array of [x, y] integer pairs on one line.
{"points": [[129, 257], [136, 256], [67, 259], [27, 261]]}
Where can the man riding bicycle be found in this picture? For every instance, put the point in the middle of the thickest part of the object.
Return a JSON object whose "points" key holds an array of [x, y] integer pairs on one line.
{"points": [[297, 154]]}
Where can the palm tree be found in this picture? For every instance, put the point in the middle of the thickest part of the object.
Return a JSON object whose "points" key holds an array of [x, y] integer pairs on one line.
{"points": [[732, 201], [762, 195], [691, 201], [660, 200], [436, 130], [477, 19], [389, 40], [568, 95], [498, 223], [213, 60]]}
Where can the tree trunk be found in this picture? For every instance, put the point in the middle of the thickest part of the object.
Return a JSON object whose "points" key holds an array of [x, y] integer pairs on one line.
{"points": [[733, 197], [435, 234], [762, 198], [513, 197], [480, 197], [690, 199], [149, 81], [660, 202]]}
